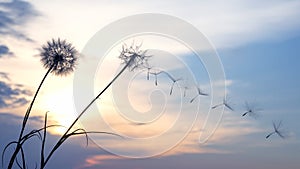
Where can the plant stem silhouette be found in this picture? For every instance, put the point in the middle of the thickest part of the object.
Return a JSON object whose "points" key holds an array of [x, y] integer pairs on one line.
{"points": [[58, 57], [133, 58], [25, 119]]}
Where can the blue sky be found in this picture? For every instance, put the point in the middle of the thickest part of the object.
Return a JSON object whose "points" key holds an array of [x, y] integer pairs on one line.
{"points": [[258, 45]]}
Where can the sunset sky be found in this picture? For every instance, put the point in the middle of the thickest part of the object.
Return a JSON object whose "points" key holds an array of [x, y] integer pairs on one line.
{"points": [[257, 42]]}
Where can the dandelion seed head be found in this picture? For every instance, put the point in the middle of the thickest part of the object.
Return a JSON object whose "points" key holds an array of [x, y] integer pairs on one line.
{"points": [[134, 57], [59, 55]]}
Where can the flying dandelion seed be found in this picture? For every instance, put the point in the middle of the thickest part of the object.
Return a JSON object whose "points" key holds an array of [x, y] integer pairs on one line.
{"points": [[59, 56], [224, 103], [251, 110], [173, 80], [185, 88], [199, 93], [276, 130], [148, 71], [155, 75]]}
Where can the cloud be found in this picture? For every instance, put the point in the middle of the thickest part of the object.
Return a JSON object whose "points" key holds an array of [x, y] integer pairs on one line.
{"points": [[72, 155], [4, 76], [11, 95], [237, 23], [14, 14], [98, 160], [4, 50]]}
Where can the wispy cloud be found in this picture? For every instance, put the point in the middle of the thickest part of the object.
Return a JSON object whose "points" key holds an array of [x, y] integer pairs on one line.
{"points": [[98, 160], [4, 50], [229, 24], [237, 23], [4, 76], [14, 14], [12, 95]]}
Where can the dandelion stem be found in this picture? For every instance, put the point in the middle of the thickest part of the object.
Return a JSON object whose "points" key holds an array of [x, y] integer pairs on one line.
{"points": [[25, 119], [65, 135], [43, 142]]}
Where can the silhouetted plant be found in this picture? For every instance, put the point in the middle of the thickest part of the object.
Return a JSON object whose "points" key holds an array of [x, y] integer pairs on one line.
{"points": [[133, 58], [58, 57]]}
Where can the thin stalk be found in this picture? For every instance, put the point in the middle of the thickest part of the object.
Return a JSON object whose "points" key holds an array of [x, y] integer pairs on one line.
{"points": [[43, 143], [25, 119], [63, 137]]}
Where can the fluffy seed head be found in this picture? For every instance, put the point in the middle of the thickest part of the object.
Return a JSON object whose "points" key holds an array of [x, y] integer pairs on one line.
{"points": [[134, 57], [59, 55]]}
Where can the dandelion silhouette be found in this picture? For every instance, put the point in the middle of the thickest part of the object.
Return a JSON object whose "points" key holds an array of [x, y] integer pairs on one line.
{"points": [[276, 130], [251, 110], [225, 103], [59, 57], [133, 58], [199, 93], [173, 80]]}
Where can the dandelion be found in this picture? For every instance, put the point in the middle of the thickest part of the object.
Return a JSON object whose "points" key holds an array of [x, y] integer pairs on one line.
{"points": [[199, 93], [133, 57], [225, 103], [59, 56], [251, 110], [276, 130]]}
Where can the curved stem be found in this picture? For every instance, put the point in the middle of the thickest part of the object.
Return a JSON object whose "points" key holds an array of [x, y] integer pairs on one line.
{"points": [[32, 102], [25, 119], [63, 137]]}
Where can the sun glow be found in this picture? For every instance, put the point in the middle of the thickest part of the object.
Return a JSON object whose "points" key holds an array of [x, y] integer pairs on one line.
{"points": [[60, 107]]}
